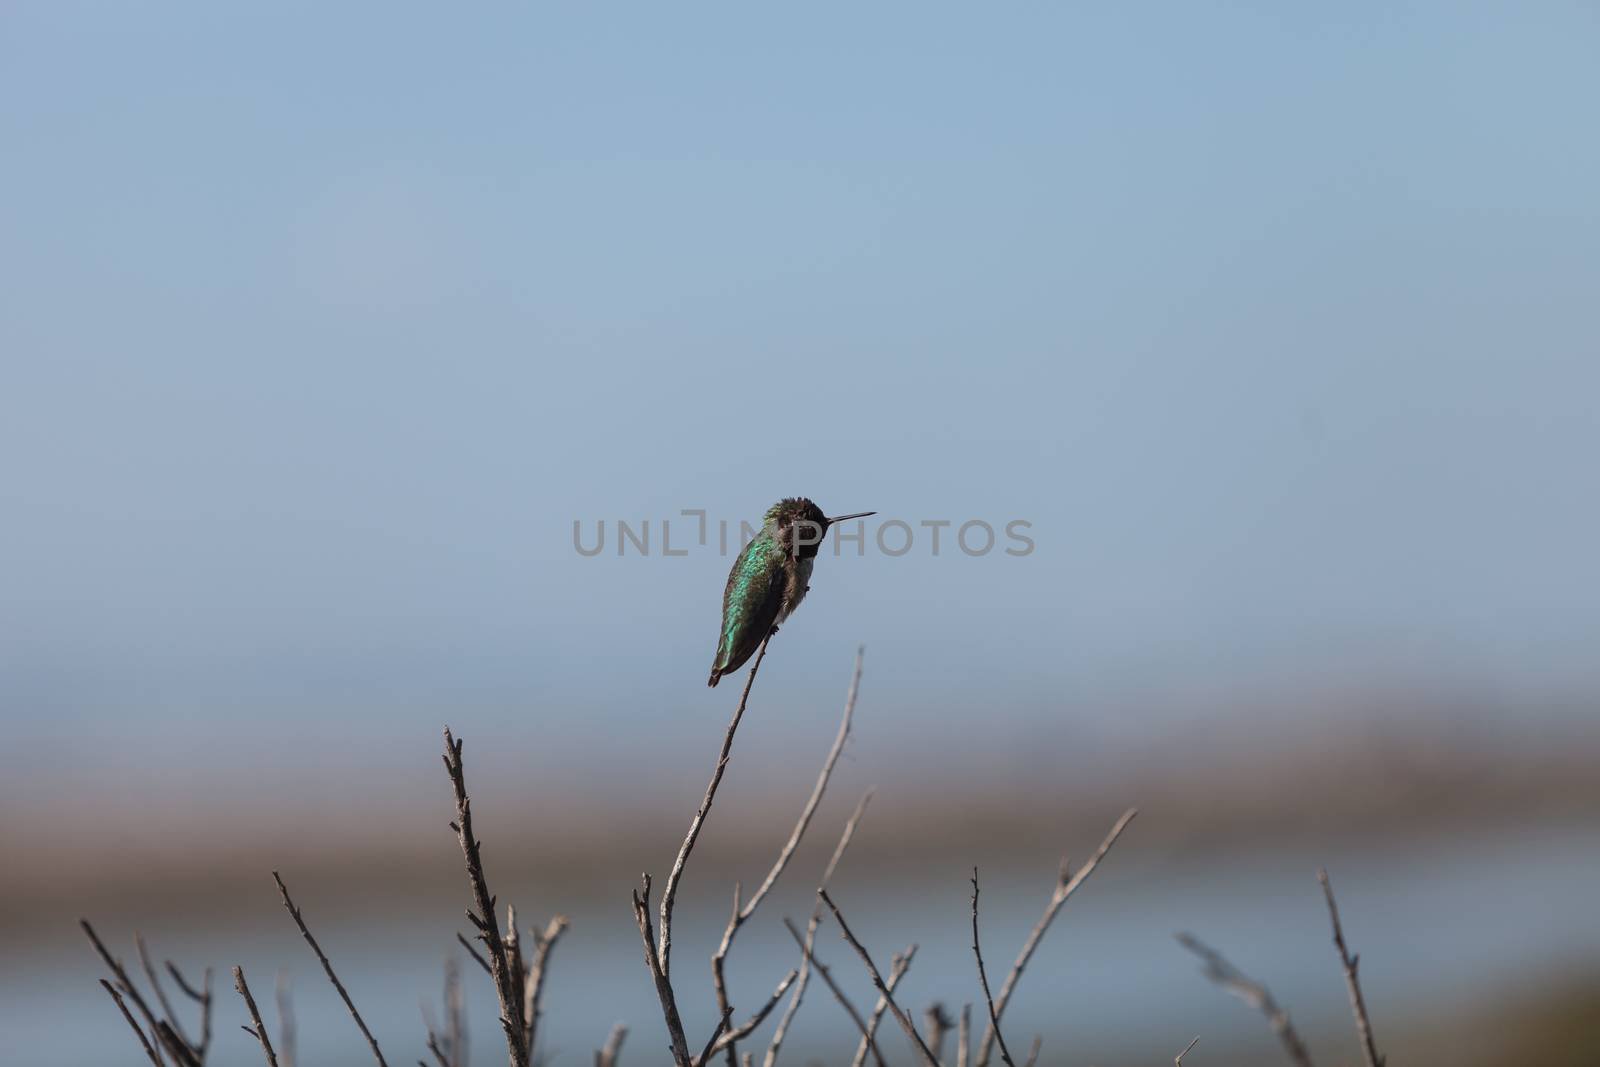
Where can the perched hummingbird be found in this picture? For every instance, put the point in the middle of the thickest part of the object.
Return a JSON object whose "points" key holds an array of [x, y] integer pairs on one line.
{"points": [[769, 579]]}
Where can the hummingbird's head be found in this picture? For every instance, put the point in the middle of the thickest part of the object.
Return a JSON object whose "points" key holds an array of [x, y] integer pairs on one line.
{"points": [[799, 525]]}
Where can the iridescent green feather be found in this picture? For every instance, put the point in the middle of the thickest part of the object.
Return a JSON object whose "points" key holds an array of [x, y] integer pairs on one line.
{"points": [[750, 603]]}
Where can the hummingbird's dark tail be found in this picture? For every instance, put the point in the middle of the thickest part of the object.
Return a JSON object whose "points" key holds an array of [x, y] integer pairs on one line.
{"points": [[716, 676]]}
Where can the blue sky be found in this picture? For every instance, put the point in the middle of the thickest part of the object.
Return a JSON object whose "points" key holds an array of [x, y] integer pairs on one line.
{"points": [[320, 325]]}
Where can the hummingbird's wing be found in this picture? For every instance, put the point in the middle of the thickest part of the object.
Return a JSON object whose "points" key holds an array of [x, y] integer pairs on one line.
{"points": [[750, 604]]}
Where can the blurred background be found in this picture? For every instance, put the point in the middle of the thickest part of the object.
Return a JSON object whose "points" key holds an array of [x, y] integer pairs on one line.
{"points": [[322, 326]]}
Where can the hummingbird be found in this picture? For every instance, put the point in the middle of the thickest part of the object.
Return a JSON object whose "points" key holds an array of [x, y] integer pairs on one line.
{"points": [[769, 579]]}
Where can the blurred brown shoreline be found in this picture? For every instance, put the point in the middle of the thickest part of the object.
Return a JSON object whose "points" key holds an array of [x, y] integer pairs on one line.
{"points": [[127, 855]]}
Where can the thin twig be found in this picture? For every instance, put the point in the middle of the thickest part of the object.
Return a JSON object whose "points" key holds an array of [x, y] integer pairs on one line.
{"points": [[669, 895], [983, 979], [1358, 1003], [533, 983], [486, 921], [877, 980], [964, 1036], [793, 1006], [161, 1032], [322, 958], [1177, 1061], [475, 954], [746, 1028], [607, 1055], [722, 1027], [742, 915], [838, 994], [161, 994], [201, 996], [260, 1031], [149, 1049], [1033, 1051], [899, 964], [1235, 981], [652, 961], [451, 1049], [1065, 887]]}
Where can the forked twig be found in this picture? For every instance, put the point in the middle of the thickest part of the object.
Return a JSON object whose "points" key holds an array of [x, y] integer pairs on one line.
{"points": [[877, 980], [983, 979], [1241, 985], [741, 915], [1065, 886], [260, 1031], [344, 995], [1358, 1003], [506, 987], [652, 961]]}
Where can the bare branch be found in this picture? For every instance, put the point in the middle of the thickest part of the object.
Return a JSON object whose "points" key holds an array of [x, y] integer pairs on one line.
{"points": [[1235, 981], [322, 958], [1358, 1004], [742, 915], [793, 1006], [486, 921], [1177, 1061], [899, 964], [260, 1031], [149, 1049], [1065, 887], [607, 1056], [983, 979], [838, 994], [533, 983], [1033, 1051], [963, 1036], [877, 980], [669, 895], [669, 1001]]}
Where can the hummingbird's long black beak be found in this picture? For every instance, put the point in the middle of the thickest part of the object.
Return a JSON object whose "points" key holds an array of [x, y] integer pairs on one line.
{"points": [[842, 518]]}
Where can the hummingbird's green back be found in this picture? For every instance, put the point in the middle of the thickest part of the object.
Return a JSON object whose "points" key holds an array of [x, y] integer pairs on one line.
{"points": [[750, 602]]}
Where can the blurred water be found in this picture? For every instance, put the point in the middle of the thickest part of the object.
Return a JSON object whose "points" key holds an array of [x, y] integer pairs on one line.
{"points": [[1438, 926]]}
